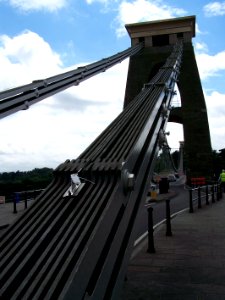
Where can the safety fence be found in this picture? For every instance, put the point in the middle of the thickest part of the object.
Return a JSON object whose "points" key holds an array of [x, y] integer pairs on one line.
{"points": [[208, 193], [24, 196], [197, 194]]}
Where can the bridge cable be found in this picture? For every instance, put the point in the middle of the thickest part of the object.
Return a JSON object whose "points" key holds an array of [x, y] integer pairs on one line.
{"points": [[21, 98]]}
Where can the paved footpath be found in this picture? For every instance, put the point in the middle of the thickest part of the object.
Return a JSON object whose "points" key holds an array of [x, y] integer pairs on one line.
{"points": [[190, 265], [7, 217]]}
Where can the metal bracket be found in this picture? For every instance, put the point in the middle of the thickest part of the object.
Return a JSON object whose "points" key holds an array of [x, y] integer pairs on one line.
{"points": [[164, 111], [128, 181]]}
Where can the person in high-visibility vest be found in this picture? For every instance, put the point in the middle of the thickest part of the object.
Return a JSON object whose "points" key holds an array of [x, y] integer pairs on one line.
{"points": [[222, 180]]}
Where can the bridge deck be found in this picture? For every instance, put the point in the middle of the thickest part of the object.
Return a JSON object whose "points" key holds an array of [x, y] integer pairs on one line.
{"points": [[188, 265]]}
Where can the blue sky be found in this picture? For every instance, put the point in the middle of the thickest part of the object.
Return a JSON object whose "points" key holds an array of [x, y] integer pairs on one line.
{"points": [[40, 38]]}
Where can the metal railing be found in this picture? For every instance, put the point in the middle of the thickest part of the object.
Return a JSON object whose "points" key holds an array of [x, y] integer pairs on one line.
{"points": [[24, 196], [207, 192], [212, 192]]}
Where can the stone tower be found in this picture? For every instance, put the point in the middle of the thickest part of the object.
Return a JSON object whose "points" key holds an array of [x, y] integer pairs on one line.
{"points": [[159, 38]]}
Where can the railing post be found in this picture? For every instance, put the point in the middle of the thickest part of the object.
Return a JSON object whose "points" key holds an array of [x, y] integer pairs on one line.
{"points": [[199, 197], [213, 195], [191, 210], [14, 204], [151, 248], [25, 201], [168, 219], [221, 192], [217, 192], [207, 195]]}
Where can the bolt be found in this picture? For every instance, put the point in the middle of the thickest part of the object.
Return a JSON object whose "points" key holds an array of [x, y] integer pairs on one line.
{"points": [[128, 181]]}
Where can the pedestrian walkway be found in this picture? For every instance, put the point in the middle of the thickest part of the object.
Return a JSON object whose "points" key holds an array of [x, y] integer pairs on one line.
{"points": [[188, 265], [7, 215]]}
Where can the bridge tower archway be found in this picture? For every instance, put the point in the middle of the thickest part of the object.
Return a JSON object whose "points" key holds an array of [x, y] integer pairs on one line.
{"points": [[159, 38]]}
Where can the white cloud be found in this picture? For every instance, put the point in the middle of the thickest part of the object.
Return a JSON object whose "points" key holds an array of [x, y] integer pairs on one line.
{"points": [[176, 135], [213, 9], [26, 57], [36, 5], [216, 113], [105, 2], [143, 10], [198, 31], [58, 127], [201, 47], [44, 136], [215, 103], [62, 126], [107, 5], [210, 65]]}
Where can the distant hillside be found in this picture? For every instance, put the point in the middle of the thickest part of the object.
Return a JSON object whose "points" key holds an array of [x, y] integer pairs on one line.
{"points": [[22, 181]]}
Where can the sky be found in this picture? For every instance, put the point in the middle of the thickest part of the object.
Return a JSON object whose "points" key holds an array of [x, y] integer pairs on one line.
{"points": [[41, 38]]}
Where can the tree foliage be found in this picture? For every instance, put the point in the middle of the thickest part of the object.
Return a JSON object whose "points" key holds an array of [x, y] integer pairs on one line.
{"points": [[11, 182]]}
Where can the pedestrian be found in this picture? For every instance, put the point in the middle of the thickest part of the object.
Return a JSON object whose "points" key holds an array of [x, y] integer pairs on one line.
{"points": [[222, 180]]}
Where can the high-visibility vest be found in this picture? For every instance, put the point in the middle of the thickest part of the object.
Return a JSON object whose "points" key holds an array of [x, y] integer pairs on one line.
{"points": [[222, 176]]}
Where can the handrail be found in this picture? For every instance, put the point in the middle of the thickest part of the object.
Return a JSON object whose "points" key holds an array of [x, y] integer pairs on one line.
{"points": [[209, 190]]}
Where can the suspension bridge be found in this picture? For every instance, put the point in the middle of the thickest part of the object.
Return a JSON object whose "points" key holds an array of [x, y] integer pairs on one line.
{"points": [[75, 241]]}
